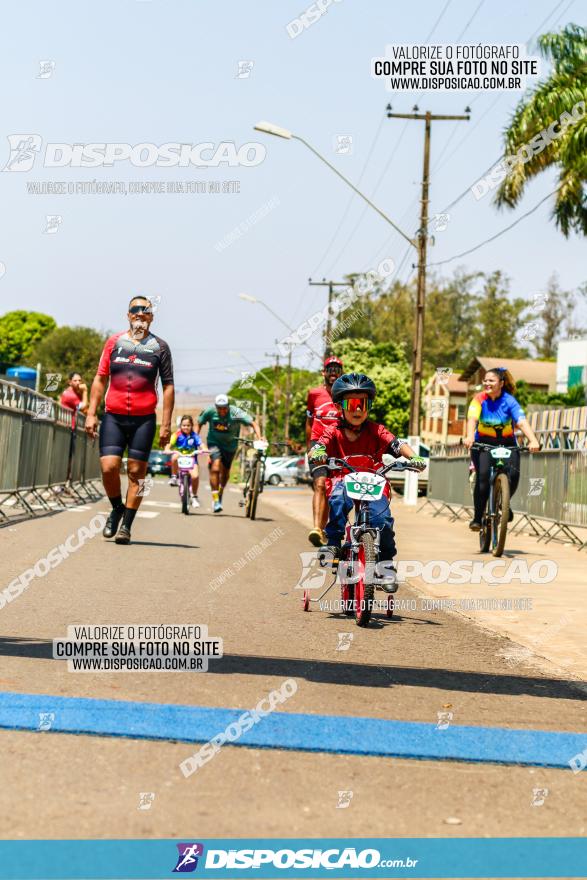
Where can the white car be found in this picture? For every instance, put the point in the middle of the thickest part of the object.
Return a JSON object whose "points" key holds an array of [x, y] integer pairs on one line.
{"points": [[281, 470]]}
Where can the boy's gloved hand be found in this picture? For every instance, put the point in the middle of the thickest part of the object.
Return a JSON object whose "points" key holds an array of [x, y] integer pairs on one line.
{"points": [[419, 462], [317, 453]]}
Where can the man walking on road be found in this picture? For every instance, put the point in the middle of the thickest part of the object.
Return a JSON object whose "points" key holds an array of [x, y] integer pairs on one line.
{"points": [[321, 412], [224, 423], [131, 362]]}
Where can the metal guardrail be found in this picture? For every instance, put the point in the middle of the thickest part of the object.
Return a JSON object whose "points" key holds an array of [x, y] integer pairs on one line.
{"points": [[43, 445], [553, 484]]}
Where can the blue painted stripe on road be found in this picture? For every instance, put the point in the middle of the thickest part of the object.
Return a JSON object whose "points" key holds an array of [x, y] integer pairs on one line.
{"points": [[339, 734]]}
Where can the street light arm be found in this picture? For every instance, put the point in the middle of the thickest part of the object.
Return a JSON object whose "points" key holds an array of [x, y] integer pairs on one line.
{"points": [[279, 318], [358, 191]]}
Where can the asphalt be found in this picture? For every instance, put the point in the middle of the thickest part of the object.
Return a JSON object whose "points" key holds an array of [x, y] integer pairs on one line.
{"points": [[182, 570]]}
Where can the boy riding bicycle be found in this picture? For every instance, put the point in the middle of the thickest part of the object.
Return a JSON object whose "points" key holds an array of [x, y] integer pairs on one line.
{"points": [[356, 434]]}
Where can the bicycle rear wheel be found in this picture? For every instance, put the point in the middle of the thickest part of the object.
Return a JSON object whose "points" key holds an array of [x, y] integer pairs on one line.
{"points": [[255, 489], [501, 507]]}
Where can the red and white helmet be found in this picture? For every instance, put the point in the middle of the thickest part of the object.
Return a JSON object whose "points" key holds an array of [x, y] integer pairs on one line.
{"points": [[333, 360]]}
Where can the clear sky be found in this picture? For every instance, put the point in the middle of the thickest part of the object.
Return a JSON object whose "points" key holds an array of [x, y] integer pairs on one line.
{"points": [[161, 71]]}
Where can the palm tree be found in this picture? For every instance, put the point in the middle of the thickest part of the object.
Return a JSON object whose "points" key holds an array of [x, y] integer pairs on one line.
{"points": [[565, 87]]}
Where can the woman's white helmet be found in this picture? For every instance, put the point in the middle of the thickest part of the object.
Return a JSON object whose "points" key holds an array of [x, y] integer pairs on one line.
{"points": [[221, 400]]}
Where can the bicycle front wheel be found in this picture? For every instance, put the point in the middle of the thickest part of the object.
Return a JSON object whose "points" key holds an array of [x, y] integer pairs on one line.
{"points": [[501, 507], [255, 489], [364, 589], [185, 495]]}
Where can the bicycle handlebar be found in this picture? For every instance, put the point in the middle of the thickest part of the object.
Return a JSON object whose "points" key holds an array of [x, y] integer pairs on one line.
{"points": [[487, 447], [334, 464]]}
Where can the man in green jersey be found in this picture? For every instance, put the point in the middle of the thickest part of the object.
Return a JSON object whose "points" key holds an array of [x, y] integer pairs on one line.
{"points": [[224, 424]]}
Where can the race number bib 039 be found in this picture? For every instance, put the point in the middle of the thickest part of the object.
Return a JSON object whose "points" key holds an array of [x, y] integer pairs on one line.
{"points": [[364, 486]]}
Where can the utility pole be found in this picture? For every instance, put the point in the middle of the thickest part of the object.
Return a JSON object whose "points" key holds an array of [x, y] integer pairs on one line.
{"points": [[287, 395], [275, 385], [330, 285], [422, 240]]}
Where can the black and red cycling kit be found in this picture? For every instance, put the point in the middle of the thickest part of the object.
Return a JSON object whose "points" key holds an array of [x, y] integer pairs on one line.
{"points": [[131, 398]]}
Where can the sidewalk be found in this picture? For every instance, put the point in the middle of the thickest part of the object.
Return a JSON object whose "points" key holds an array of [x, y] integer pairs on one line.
{"points": [[547, 630]]}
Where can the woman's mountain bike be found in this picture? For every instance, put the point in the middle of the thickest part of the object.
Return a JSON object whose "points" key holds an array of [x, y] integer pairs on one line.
{"points": [[494, 523]]}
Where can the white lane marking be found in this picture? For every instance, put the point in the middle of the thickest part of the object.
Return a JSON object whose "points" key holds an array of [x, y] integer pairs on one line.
{"points": [[166, 504], [147, 514]]}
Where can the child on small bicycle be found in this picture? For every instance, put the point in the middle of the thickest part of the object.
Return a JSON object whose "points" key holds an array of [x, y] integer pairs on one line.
{"points": [[183, 442], [356, 434]]}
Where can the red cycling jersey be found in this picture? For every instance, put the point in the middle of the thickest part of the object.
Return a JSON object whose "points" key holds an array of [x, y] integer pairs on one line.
{"points": [[133, 368], [321, 411], [373, 440]]}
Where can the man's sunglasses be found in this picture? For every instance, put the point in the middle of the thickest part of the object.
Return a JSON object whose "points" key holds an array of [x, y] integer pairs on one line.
{"points": [[354, 404], [141, 310]]}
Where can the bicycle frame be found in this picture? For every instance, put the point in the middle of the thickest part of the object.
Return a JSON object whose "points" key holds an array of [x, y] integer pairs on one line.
{"points": [[497, 466]]}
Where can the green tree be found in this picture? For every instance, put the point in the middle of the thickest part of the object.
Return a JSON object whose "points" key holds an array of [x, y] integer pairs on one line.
{"points": [[273, 382], [552, 100], [450, 315], [461, 319], [66, 349], [379, 316], [497, 318], [554, 310], [19, 332], [575, 396], [386, 364]]}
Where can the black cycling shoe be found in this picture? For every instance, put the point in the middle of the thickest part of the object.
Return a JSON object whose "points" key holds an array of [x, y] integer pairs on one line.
{"points": [[113, 522], [475, 526], [123, 536]]}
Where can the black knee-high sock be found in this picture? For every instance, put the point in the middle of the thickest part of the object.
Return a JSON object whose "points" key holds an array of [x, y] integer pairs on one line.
{"points": [[116, 502], [128, 517]]}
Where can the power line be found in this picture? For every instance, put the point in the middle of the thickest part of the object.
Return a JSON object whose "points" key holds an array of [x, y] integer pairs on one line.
{"points": [[541, 25], [387, 164], [365, 208], [466, 28], [344, 216], [497, 234], [215, 368], [438, 20]]}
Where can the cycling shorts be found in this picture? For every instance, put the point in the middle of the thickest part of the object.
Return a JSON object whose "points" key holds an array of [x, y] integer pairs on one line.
{"points": [[135, 432], [226, 457]]}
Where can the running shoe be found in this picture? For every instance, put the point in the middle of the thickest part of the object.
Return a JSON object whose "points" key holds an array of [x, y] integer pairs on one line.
{"points": [[217, 507], [195, 502]]}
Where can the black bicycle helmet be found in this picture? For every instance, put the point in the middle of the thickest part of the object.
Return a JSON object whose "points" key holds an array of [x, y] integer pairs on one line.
{"points": [[350, 382]]}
